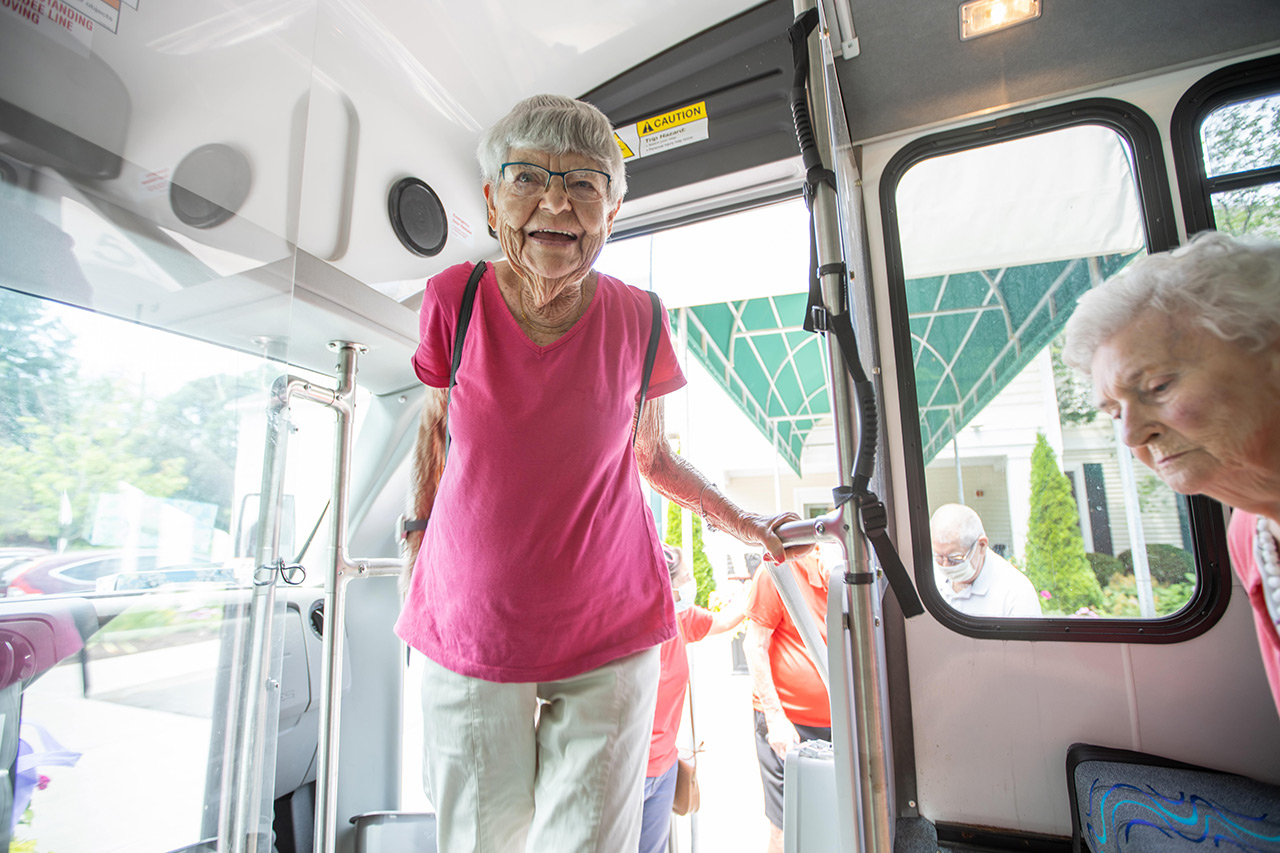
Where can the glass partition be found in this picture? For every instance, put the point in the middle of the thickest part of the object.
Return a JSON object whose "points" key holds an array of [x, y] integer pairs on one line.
{"points": [[150, 197]]}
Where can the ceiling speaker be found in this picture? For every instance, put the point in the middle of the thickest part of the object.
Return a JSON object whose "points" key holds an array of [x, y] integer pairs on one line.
{"points": [[418, 217], [209, 185]]}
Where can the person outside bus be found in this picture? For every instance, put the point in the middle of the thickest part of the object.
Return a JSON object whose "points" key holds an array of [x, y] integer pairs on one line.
{"points": [[539, 593], [693, 623], [789, 700], [972, 578]]}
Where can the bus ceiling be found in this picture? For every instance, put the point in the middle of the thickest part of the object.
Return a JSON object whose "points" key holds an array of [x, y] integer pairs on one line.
{"points": [[189, 189]]}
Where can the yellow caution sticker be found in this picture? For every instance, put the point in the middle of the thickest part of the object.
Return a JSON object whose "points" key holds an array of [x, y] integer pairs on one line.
{"points": [[627, 152], [675, 118], [672, 129]]}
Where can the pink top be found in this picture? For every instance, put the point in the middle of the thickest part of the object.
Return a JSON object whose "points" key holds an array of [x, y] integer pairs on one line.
{"points": [[541, 560], [1240, 536], [694, 623]]}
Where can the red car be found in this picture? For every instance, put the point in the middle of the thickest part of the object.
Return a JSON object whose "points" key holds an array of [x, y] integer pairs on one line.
{"points": [[78, 572]]}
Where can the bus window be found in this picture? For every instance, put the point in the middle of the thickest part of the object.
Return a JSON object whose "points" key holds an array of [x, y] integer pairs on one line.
{"points": [[997, 242], [1226, 140], [131, 465], [1241, 144]]}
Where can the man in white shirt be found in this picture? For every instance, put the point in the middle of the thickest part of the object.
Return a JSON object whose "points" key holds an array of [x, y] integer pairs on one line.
{"points": [[971, 577]]}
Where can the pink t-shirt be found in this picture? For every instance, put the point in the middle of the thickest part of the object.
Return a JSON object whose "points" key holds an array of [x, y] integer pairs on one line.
{"points": [[1240, 536], [541, 560], [694, 623]]}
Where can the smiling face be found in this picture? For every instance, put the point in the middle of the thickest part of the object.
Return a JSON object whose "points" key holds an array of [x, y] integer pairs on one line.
{"points": [[549, 236], [1197, 410]]}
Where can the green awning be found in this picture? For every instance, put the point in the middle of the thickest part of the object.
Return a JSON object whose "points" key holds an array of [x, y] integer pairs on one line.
{"points": [[767, 363], [971, 334]]}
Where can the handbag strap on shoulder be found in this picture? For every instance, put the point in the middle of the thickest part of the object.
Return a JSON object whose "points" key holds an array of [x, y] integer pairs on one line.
{"points": [[655, 331]]}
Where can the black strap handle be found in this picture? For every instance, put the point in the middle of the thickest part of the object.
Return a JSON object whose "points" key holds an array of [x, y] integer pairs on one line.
{"points": [[460, 335], [405, 525], [655, 330]]}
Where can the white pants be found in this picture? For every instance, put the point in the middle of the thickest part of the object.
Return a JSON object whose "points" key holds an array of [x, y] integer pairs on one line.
{"points": [[570, 783]]}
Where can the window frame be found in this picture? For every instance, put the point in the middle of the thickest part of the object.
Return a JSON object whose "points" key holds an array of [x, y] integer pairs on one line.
{"points": [[1234, 84], [1207, 520]]}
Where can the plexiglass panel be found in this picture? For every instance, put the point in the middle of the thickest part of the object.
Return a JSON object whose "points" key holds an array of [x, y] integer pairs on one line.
{"points": [[151, 184]]}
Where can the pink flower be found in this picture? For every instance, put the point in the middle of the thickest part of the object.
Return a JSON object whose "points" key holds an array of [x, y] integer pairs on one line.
{"points": [[1045, 594], [42, 783]]}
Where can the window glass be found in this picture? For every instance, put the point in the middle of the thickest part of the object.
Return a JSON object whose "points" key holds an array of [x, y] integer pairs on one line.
{"points": [[1243, 136], [1255, 210], [1239, 138], [998, 243]]}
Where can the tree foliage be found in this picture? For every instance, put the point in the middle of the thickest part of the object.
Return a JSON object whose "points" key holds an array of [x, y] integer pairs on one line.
{"points": [[1075, 397], [701, 564], [1168, 564], [36, 373], [83, 459], [1056, 559], [1237, 138], [62, 434], [197, 423]]}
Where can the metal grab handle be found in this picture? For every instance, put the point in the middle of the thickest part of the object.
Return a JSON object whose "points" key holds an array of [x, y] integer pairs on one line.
{"points": [[812, 531]]}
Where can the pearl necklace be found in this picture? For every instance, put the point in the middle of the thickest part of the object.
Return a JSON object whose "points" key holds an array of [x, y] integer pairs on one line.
{"points": [[1267, 557]]}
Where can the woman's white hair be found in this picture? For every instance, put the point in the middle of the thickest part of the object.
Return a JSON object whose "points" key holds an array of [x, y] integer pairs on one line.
{"points": [[557, 125], [1227, 285]]}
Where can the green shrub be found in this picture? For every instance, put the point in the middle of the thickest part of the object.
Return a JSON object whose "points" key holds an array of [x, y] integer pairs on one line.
{"points": [[1168, 563], [1120, 598], [701, 565], [1104, 566], [1056, 560]]}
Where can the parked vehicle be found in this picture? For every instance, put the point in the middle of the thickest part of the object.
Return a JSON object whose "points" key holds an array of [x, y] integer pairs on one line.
{"points": [[82, 572]]}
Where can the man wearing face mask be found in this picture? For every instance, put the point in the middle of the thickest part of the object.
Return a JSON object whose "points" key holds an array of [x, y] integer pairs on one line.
{"points": [[693, 623], [971, 577]]}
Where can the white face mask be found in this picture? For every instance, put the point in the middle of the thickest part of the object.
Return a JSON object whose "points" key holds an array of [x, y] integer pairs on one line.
{"points": [[685, 594], [961, 572]]}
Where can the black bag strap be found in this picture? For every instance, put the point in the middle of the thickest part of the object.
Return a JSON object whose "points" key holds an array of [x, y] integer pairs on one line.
{"points": [[655, 330], [459, 335]]}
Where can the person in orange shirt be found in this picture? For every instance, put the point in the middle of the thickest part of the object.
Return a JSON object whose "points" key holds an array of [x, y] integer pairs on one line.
{"points": [[790, 701], [693, 623]]}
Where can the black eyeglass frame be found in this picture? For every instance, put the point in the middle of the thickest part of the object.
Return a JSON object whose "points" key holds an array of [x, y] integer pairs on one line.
{"points": [[564, 181]]}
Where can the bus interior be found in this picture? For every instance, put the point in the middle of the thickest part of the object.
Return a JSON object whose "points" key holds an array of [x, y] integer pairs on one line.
{"points": [[216, 224]]}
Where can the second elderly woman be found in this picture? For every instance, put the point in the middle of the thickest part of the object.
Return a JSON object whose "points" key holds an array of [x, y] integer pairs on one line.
{"points": [[540, 590], [1184, 351]]}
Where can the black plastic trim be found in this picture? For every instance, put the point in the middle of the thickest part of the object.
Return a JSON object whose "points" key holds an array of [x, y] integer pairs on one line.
{"points": [[1233, 84], [960, 838], [1207, 523]]}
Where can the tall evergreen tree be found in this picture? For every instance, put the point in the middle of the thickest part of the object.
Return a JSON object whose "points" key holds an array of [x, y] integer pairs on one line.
{"points": [[1056, 559]]}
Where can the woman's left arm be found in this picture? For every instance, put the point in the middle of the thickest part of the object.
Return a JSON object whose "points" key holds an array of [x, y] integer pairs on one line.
{"points": [[678, 481]]}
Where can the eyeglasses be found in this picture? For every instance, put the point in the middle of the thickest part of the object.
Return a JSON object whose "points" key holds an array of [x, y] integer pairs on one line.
{"points": [[530, 179], [954, 559]]}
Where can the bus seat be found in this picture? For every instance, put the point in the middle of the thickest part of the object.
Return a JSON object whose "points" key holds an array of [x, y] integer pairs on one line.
{"points": [[395, 832], [1131, 801]]}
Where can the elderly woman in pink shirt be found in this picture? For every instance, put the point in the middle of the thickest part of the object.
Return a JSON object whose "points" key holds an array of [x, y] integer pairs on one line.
{"points": [[540, 593], [1184, 351]]}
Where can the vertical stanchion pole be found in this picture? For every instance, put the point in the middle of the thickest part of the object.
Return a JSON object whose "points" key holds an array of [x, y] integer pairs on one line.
{"points": [[870, 721], [338, 572]]}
